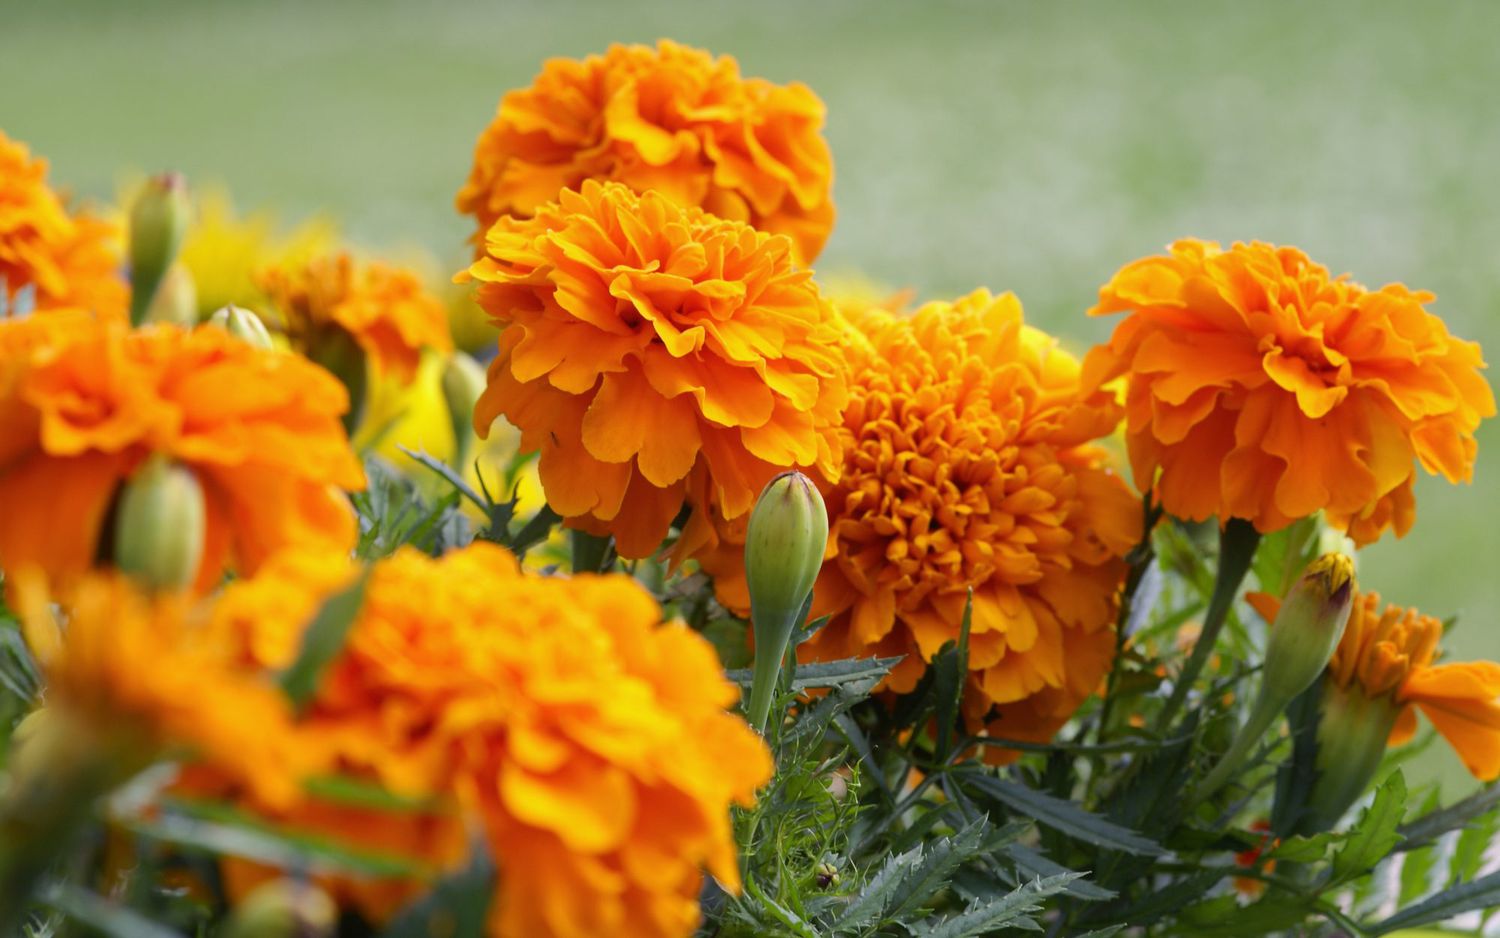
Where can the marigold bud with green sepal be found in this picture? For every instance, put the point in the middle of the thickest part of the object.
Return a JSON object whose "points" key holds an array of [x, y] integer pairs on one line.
{"points": [[160, 525]]}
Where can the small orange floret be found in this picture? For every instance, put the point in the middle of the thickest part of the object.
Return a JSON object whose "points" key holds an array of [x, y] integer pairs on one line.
{"points": [[673, 119], [68, 261], [969, 463], [82, 404], [1259, 387], [384, 309], [656, 355], [1392, 650], [588, 741]]}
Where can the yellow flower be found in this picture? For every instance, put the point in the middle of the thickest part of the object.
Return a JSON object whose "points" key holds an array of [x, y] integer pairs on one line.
{"points": [[69, 261], [223, 250], [673, 119], [656, 355], [384, 309], [588, 740]]}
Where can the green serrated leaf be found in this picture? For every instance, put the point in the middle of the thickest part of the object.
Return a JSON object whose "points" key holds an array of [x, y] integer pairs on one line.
{"points": [[1031, 863], [867, 908], [1429, 827], [100, 914], [1416, 875], [1482, 893], [457, 907], [1012, 910], [1224, 917], [323, 640], [827, 673], [943, 856], [1374, 836], [1064, 816], [950, 669], [1469, 851], [1299, 849]]}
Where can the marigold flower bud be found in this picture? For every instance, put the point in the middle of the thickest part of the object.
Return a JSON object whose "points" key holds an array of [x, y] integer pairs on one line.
{"points": [[242, 324], [463, 382], [158, 220], [1353, 728], [1306, 631], [283, 908], [176, 299], [160, 525], [784, 545]]}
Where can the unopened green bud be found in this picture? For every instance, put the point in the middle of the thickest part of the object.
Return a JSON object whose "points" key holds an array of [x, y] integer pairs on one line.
{"points": [[784, 546], [160, 527], [176, 299], [283, 908], [158, 220], [1352, 732], [463, 382], [1306, 631], [242, 324], [1308, 628]]}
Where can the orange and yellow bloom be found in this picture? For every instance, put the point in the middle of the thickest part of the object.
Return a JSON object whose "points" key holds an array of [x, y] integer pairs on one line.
{"points": [[384, 309], [1390, 653], [656, 355], [84, 402], [588, 740], [969, 463], [69, 261], [673, 119], [143, 677], [1259, 387]]}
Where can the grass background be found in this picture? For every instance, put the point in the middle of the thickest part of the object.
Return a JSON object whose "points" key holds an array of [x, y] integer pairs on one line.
{"points": [[1018, 145]]}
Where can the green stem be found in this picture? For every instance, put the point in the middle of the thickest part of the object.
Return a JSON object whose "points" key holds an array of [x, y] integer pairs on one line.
{"points": [[768, 661], [1237, 543], [590, 552], [1140, 558], [1261, 717]]}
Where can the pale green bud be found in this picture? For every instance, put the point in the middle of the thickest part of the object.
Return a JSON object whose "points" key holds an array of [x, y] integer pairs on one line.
{"points": [[784, 546], [463, 382], [1308, 627], [283, 908], [1303, 637], [158, 221], [242, 324], [176, 299], [160, 525]]}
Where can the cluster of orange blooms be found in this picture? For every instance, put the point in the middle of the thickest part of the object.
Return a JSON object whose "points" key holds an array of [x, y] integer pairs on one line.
{"points": [[646, 219]]}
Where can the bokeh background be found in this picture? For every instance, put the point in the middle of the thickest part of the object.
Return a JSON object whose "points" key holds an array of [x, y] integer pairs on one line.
{"points": [[1018, 145]]}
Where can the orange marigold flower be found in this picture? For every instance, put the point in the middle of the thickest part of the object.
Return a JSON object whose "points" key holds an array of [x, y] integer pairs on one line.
{"points": [[384, 309], [673, 119], [82, 404], [656, 354], [1259, 387], [968, 464], [142, 677], [589, 741], [1390, 652], [70, 261]]}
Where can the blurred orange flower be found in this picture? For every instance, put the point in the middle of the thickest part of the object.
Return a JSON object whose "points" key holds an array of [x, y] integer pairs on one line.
{"points": [[143, 676], [1259, 387], [588, 740], [384, 309], [83, 403], [70, 261], [969, 464], [673, 119], [655, 354]]}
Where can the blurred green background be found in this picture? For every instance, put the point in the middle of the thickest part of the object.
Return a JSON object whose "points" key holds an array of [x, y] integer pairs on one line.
{"points": [[1025, 146]]}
